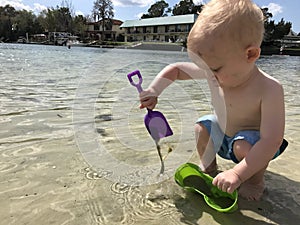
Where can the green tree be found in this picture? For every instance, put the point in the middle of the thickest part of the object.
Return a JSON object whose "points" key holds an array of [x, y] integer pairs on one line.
{"points": [[269, 25], [26, 22], [7, 25], [58, 19], [267, 14], [103, 10], [79, 26], [47, 20], [68, 4], [15, 23], [64, 19], [274, 31], [158, 9], [281, 28], [186, 7]]}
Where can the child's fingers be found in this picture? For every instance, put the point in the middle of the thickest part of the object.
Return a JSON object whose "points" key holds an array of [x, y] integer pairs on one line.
{"points": [[150, 104], [230, 190], [148, 101]]}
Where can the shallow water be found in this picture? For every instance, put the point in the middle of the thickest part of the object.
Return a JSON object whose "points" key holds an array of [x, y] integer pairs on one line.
{"points": [[74, 148]]}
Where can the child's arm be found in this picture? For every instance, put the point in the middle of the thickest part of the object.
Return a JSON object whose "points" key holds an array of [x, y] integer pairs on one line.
{"points": [[271, 136], [172, 72], [271, 133]]}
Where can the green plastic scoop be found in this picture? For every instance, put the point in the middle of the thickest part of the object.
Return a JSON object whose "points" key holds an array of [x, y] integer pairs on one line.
{"points": [[191, 178]]}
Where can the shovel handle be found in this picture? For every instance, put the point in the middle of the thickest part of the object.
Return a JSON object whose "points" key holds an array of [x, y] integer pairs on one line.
{"points": [[139, 84]]}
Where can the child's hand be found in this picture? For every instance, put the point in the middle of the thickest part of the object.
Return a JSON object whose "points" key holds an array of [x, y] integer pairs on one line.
{"points": [[148, 99], [227, 181]]}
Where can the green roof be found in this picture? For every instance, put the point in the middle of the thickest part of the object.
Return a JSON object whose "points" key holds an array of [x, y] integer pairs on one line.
{"points": [[169, 20]]}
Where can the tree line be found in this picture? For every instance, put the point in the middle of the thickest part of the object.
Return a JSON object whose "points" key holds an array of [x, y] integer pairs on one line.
{"points": [[15, 23]]}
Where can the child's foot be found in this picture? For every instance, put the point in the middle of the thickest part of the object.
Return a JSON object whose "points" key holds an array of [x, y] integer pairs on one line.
{"points": [[252, 191], [212, 170]]}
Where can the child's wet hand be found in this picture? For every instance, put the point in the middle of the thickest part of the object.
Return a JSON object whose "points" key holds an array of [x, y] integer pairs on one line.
{"points": [[227, 181], [148, 99]]}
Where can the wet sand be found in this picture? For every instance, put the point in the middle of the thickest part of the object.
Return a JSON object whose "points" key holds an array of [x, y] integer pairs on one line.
{"points": [[45, 180]]}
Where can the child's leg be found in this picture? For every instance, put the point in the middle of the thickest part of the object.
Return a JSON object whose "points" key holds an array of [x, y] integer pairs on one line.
{"points": [[253, 188], [205, 149]]}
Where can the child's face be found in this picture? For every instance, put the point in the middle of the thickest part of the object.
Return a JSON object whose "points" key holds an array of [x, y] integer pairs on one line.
{"points": [[228, 62]]}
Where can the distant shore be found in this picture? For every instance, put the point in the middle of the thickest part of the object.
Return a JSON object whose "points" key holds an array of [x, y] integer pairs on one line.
{"points": [[274, 50], [164, 46], [178, 47], [266, 50], [159, 46]]}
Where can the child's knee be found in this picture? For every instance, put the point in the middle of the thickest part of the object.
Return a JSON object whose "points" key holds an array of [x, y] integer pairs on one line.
{"points": [[201, 129], [241, 149], [202, 136]]}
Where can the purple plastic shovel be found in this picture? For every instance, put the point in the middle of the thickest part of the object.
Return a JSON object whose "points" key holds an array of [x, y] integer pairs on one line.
{"points": [[155, 121]]}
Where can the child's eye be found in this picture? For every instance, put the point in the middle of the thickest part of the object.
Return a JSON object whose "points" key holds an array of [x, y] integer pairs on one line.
{"points": [[216, 70]]}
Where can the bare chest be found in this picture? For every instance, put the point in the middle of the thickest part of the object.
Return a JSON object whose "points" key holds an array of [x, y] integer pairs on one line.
{"points": [[243, 109]]}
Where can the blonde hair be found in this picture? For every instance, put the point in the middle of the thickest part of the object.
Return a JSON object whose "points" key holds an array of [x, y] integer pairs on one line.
{"points": [[240, 20]]}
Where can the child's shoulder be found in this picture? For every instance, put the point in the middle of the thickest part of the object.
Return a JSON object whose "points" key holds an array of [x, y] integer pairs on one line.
{"points": [[269, 85], [267, 79]]}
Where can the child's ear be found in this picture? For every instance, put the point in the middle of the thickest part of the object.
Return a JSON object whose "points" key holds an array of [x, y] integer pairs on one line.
{"points": [[252, 53]]}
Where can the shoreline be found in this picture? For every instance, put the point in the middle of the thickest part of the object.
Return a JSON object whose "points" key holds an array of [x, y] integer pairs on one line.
{"points": [[159, 46]]}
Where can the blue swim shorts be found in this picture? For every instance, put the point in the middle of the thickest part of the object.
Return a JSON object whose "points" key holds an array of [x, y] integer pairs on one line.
{"points": [[223, 144]]}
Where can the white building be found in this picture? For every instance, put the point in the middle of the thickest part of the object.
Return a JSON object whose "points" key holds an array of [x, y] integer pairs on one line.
{"points": [[163, 29]]}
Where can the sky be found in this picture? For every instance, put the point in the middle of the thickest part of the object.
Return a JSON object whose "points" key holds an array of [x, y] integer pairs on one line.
{"points": [[133, 9]]}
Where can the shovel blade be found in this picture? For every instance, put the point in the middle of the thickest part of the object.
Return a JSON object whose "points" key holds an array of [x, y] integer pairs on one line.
{"points": [[157, 125]]}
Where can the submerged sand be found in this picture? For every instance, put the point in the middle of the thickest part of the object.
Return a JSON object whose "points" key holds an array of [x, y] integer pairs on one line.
{"points": [[45, 180]]}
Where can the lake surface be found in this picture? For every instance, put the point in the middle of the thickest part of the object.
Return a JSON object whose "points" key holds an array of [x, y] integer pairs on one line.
{"points": [[75, 150]]}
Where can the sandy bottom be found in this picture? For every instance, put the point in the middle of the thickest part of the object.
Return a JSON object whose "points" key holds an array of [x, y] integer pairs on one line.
{"points": [[45, 180]]}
